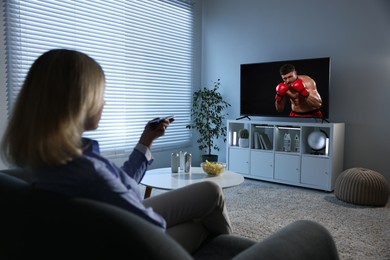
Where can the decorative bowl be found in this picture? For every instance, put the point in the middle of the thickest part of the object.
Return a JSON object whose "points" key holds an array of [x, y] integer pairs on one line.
{"points": [[213, 168]]}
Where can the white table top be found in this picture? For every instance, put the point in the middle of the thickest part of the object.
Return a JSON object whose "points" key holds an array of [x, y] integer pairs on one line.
{"points": [[163, 178]]}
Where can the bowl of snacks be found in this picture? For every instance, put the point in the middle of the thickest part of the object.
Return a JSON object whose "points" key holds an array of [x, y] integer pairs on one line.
{"points": [[213, 168]]}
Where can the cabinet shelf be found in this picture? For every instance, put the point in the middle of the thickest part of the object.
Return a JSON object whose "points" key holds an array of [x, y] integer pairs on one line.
{"points": [[282, 153]]}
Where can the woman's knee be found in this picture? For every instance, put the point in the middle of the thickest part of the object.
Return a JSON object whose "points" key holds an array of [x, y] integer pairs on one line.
{"points": [[210, 187]]}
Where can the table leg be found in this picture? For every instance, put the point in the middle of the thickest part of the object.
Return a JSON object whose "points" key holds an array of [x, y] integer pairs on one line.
{"points": [[148, 191]]}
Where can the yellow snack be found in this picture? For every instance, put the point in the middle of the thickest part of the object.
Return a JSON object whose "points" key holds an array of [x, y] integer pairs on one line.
{"points": [[213, 168]]}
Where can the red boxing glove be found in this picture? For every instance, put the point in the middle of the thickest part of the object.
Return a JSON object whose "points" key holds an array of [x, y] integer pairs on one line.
{"points": [[300, 88], [281, 90]]}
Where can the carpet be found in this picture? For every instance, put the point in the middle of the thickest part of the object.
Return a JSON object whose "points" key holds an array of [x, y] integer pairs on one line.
{"points": [[258, 209]]}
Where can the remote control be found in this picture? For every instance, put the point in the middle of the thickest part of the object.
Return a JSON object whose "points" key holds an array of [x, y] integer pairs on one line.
{"points": [[159, 120]]}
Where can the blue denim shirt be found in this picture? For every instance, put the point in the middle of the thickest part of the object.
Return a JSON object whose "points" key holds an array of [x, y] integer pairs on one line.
{"points": [[94, 177]]}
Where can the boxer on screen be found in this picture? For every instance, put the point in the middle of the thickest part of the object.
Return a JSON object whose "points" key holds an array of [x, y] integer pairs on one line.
{"points": [[302, 92]]}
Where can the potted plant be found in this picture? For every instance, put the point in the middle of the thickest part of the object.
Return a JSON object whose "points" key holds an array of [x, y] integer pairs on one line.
{"points": [[208, 117], [243, 138]]}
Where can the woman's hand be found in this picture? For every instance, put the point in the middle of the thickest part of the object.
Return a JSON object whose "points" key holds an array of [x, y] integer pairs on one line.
{"points": [[152, 131]]}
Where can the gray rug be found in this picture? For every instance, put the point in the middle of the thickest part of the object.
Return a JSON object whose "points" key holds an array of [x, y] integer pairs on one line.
{"points": [[258, 209]]}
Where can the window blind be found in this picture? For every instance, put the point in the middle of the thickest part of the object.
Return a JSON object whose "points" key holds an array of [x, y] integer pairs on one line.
{"points": [[145, 48]]}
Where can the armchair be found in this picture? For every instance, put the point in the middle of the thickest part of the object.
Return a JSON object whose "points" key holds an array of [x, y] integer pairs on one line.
{"points": [[43, 225]]}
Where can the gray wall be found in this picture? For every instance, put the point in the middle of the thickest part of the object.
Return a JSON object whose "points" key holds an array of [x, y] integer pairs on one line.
{"points": [[354, 33]]}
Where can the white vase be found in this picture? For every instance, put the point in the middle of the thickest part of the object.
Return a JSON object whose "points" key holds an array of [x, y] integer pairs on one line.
{"points": [[243, 142]]}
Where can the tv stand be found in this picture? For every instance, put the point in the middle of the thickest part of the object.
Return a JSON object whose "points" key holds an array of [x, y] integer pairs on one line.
{"points": [[242, 117], [267, 159]]}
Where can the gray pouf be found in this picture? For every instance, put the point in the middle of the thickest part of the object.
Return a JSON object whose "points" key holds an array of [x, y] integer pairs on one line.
{"points": [[363, 187]]}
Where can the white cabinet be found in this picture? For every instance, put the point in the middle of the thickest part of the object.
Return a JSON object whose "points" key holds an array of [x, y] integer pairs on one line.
{"points": [[315, 171], [283, 152], [287, 168], [240, 160], [262, 164]]}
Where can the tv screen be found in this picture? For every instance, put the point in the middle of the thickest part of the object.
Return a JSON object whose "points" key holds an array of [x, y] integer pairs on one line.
{"points": [[259, 82]]}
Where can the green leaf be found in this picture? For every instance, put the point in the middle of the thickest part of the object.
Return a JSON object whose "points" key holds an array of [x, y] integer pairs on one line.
{"points": [[208, 116]]}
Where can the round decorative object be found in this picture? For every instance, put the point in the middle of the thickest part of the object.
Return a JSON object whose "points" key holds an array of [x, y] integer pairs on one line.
{"points": [[317, 140], [363, 187]]}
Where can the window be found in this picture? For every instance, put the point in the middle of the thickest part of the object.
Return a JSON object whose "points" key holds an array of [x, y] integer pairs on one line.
{"points": [[145, 48]]}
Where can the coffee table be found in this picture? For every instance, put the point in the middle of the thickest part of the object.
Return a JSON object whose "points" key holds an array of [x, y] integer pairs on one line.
{"points": [[164, 179]]}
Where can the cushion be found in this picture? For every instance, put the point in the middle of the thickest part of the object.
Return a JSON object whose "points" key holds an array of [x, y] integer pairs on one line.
{"points": [[363, 187]]}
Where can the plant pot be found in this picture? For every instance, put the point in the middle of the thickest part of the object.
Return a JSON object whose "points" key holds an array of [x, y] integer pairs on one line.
{"points": [[243, 142], [210, 157]]}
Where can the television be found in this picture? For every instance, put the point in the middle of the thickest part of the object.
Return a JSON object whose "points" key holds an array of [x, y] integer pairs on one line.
{"points": [[258, 83]]}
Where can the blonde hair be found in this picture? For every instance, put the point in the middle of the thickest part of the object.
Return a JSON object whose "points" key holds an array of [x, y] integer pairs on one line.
{"points": [[62, 89]]}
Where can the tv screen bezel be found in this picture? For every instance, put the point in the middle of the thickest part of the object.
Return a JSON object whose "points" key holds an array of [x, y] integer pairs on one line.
{"points": [[321, 73]]}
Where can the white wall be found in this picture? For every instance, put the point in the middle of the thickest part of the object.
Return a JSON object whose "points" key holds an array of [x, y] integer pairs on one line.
{"points": [[354, 33]]}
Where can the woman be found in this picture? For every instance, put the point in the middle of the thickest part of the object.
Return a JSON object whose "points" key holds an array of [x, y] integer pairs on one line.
{"points": [[63, 96]]}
